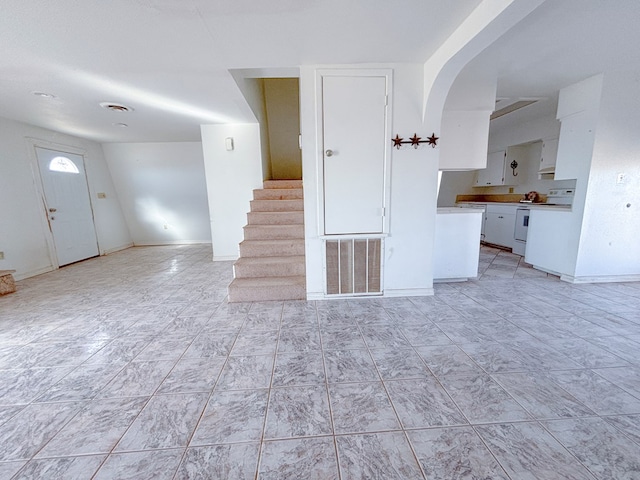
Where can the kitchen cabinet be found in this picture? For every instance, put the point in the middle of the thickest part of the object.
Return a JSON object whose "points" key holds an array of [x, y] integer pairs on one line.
{"points": [[548, 156], [494, 173], [456, 245], [499, 169], [499, 224]]}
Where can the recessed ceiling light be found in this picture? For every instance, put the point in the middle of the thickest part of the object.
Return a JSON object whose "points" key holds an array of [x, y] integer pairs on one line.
{"points": [[43, 95], [116, 107], [123, 125]]}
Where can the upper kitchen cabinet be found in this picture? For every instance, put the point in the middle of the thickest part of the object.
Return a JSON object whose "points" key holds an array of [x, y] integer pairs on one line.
{"points": [[548, 156], [494, 173], [502, 167]]}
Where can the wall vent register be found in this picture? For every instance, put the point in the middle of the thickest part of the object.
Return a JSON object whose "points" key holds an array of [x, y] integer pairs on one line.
{"points": [[353, 266]]}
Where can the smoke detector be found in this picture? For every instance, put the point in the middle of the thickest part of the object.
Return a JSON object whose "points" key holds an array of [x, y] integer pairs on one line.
{"points": [[116, 107]]}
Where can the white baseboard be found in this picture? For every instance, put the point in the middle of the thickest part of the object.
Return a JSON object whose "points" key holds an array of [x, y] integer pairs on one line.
{"points": [[32, 273], [600, 278], [408, 292], [172, 242], [231, 258], [405, 292], [451, 280], [117, 249]]}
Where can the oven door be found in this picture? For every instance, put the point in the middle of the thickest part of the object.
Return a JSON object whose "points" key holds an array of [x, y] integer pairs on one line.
{"points": [[522, 224]]}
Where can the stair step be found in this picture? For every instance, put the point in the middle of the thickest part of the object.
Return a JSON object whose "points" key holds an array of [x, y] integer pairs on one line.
{"points": [[277, 194], [282, 184], [275, 218], [272, 232], [267, 288], [271, 248], [252, 267], [277, 205]]}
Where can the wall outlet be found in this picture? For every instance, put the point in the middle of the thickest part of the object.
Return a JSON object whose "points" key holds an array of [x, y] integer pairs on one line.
{"points": [[102, 195], [620, 178], [1, 255]]}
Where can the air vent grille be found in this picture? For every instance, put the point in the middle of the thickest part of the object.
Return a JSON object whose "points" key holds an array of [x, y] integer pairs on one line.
{"points": [[354, 266]]}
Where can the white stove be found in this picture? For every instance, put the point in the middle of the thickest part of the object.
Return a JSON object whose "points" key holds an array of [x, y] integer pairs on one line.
{"points": [[560, 196]]}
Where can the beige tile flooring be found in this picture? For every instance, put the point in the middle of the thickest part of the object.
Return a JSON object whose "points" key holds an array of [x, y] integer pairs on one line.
{"points": [[134, 366]]}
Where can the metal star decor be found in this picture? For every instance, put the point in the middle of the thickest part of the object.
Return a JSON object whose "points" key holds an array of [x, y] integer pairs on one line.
{"points": [[415, 141]]}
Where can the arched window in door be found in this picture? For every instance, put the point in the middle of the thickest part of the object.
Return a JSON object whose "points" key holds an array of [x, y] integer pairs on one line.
{"points": [[63, 164]]}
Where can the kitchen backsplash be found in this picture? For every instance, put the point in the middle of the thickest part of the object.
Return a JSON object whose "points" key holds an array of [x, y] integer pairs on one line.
{"points": [[493, 197]]}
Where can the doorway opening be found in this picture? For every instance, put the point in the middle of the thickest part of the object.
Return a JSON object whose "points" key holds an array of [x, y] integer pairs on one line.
{"points": [[282, 111]]}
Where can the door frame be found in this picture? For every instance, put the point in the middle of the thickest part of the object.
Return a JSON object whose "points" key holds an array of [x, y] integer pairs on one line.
{"points": [[353, 72], [32, 143]]}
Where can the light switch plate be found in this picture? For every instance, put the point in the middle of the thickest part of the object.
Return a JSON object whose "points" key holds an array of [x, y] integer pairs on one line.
{"points": [[102, 195]]}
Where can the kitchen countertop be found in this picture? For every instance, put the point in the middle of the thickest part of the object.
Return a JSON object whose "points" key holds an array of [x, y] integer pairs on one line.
{"points": [[444, 210], [542, 206]]}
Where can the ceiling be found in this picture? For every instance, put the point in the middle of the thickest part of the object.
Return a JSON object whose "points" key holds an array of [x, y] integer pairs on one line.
{"points": [[561, 43], [169, 60]]}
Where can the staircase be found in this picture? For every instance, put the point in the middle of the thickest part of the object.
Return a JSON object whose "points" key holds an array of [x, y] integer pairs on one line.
{"points": [[271, 264]]}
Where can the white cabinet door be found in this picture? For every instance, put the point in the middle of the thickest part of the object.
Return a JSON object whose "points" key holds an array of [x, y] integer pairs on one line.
{"points": [[500, 221], [354, 110], [514, 163], [548, 155], [494, 173]]}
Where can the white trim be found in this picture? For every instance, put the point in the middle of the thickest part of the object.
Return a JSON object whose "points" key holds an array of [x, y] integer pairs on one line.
{"points": [[33, 273], [600, 278], [230, 258], [355, 236], [117, 249], [316, 296], [452, 280], [409, 292], [171, 242]]}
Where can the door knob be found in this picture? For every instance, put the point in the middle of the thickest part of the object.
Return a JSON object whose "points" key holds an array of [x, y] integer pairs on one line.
{"points": [[53, 210], [329, 153]]}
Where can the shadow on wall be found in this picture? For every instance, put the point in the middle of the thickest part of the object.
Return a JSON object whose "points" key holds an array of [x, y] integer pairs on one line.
{"points": [[282, 104]]}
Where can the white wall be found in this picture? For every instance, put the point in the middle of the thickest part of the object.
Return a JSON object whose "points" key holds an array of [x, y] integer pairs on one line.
{"points": [[252, 89], [231, 177], [465, 121], [162, 190], [23, 230], [408, 249], [610, 237]]}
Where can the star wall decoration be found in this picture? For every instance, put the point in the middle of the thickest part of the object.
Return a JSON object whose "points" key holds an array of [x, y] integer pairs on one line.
{"points": [[415, 141]]}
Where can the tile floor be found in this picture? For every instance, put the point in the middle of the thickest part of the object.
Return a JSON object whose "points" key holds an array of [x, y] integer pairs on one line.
{"points": [[133, 366]]}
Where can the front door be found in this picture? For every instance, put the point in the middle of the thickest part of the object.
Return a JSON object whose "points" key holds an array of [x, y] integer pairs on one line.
{"points": [[354, 110], [68, 205]]}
